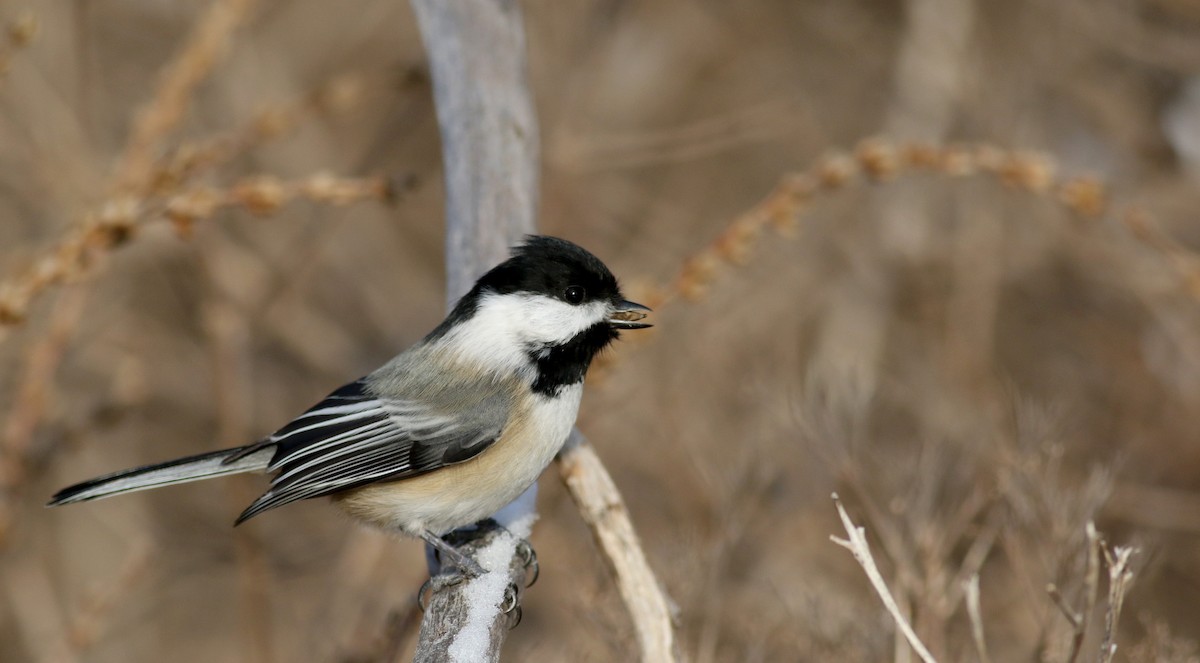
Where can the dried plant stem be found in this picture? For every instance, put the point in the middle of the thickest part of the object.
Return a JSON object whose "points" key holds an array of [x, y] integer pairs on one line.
{"points": [[856, 543], [1119, 579], [878, 160], [83, 248], [604, 511], [77, 252], [1091, 579], [206, 45], [975, 614]]}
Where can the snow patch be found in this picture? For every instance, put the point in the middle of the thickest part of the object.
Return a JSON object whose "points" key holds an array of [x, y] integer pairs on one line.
{"points": [[485, 594]]}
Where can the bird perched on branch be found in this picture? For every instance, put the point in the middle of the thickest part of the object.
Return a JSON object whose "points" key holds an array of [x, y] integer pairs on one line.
{"points": [[450, 430]]}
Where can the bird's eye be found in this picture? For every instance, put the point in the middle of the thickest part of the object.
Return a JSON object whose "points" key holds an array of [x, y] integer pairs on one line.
{"points": [[574, 294]]}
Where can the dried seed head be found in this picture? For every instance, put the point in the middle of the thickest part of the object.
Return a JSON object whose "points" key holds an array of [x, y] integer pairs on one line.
{"points": [[789, 199], [114, 224], [1027, 170], [957, 161], [1084, 196], [261, 196], [835, 170], [186, 208], [921, 155], [878, 159], [734, 244], [325, 188]]}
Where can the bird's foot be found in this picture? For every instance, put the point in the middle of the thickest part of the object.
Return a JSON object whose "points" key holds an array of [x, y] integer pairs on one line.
{"points": [[530, 561], [511, 605], [462, 564]]}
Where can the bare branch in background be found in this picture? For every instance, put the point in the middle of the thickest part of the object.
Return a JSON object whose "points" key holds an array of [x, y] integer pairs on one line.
{"points": [[476, 52], [857, 545]]}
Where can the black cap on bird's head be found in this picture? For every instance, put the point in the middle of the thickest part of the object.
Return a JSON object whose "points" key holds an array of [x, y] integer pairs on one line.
{"points": [[556, 268]]}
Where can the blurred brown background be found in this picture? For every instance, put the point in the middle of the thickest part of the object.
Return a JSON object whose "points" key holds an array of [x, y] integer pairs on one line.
{"points": [[978, 372]]}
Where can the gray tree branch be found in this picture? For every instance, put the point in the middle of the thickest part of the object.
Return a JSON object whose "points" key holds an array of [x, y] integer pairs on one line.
{"points": [[489, 135], [476, 52]]}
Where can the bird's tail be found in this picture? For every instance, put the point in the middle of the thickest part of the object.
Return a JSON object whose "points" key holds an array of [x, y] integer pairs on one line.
{"points": [[180, 470]]}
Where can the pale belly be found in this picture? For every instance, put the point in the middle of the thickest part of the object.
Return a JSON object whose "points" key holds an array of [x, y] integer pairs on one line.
{"points": [[462, 494]]}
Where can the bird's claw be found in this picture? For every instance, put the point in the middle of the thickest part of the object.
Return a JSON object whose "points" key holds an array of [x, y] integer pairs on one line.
{"points": [[511, 605], [529, 560]]}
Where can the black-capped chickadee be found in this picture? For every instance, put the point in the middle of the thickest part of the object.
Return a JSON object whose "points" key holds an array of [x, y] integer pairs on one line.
{"points": [[450, 430]]}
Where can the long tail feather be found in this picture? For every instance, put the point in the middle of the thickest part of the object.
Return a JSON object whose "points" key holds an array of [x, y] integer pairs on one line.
{"points": [[180, 470]]}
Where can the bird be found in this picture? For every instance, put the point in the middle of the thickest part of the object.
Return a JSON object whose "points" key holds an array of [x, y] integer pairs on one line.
{"points": [[450, 430]]}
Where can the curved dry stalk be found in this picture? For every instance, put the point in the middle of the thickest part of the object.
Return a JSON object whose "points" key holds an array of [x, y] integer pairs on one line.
{"points": [[879, 160], [603, 509]]}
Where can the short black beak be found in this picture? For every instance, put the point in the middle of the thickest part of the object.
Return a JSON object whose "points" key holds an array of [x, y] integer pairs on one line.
{"points": [[627, 315]]}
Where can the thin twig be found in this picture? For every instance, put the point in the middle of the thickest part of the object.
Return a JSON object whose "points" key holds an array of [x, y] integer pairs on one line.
{"points": [[981, 546], [857, 545], [1119, 579], [1091, 581], [975, 614], [1079, 619], [604, 511]]}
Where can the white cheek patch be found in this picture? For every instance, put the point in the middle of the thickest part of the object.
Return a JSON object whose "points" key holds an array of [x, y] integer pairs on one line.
{"points": [[504, 327], [542, 319]]}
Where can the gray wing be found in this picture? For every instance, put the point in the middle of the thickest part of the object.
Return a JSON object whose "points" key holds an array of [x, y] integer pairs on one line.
{"points": [[353, 438]]}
